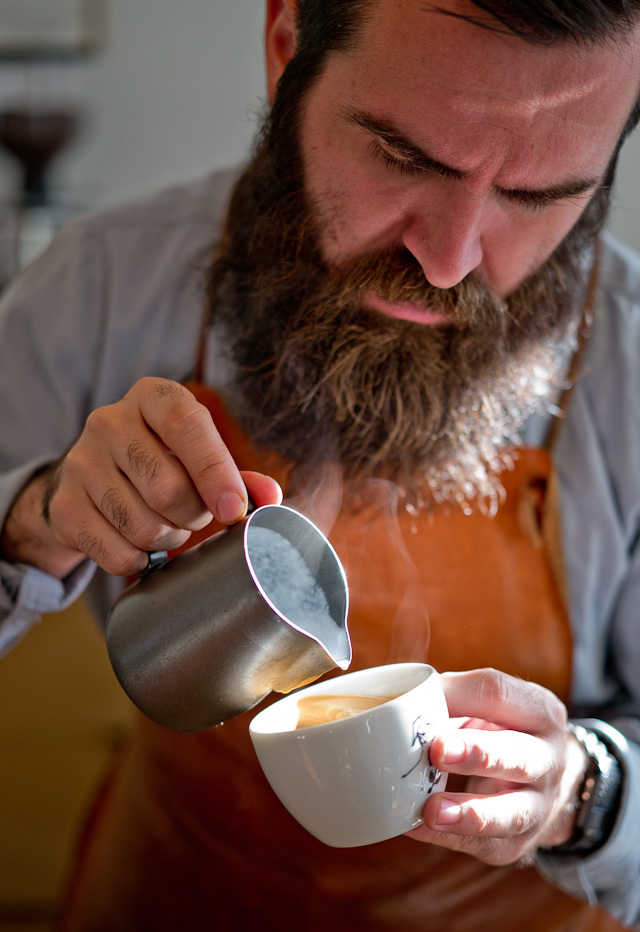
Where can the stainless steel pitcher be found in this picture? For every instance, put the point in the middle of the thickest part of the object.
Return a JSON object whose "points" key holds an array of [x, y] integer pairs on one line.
{"points": [[209, 635]]}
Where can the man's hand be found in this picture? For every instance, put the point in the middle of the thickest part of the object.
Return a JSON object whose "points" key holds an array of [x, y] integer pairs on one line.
{"points": [[144, 474], [522, 769]]}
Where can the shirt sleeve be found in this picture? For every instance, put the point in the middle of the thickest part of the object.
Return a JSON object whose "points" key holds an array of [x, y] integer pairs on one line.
{"points": [[610, 877], [118, 295], [48, 347], [597, 455], [27, 593]]}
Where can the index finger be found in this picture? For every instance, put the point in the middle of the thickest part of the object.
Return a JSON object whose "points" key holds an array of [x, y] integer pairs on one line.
{"points": [[515, 756], [504, 700], [186, 428]]}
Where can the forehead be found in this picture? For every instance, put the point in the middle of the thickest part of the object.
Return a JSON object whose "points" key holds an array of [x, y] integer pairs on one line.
{"points": [[430, 72]]}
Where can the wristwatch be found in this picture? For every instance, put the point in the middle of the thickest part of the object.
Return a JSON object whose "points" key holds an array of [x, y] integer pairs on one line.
{"points": [[598, 798]]}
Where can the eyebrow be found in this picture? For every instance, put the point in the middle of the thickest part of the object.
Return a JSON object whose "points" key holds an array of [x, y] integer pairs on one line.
{"points": [[412, 153]]}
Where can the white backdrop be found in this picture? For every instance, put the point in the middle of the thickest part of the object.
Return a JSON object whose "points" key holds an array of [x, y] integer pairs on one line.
{"points": [[175, 93]]}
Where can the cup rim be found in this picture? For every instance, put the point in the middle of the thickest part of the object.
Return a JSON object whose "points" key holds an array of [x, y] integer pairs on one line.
{"points": [[259, 725]]}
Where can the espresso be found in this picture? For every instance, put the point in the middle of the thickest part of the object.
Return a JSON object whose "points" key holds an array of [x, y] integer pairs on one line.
{"points": [[317, 710]]}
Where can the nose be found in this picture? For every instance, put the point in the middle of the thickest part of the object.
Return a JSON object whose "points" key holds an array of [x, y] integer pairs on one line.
{"points": [[447, 242]]}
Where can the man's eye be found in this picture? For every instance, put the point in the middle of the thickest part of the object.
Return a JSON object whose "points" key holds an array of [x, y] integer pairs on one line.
{"points": [[531, 205], [536, 203], [394, 162]]}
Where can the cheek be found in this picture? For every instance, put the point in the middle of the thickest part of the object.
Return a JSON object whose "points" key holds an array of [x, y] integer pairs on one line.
{"points": [[325, 184], [357, 210], [519, 244], [354, 216]]}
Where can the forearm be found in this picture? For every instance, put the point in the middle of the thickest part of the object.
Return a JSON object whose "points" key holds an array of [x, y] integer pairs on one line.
{"points": [[26, 593]]}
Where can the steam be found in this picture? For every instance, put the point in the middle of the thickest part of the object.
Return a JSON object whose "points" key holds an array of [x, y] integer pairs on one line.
{"points": [[411, 630], [385, 520]]}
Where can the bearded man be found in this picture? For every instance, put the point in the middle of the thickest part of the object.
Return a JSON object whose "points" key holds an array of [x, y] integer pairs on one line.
{"points": [[413, 326]]}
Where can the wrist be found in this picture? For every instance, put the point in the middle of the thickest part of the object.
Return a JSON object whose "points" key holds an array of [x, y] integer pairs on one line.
{"points": [[597, 799], [562, 823], [27, 538]]}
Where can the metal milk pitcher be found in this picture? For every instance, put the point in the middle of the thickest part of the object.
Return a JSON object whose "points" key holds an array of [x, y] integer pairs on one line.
{"points": [[259, 607]]}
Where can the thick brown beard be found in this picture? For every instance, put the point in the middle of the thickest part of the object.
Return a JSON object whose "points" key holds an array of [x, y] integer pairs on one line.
{"points": [[322, 380]]}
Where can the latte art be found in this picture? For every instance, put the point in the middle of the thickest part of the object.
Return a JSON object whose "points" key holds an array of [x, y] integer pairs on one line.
{"points": [[317, 710]]}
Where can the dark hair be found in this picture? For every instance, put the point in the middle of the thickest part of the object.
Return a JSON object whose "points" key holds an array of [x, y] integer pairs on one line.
{"points": [[590, 22], [323, 26], [333, 24]]}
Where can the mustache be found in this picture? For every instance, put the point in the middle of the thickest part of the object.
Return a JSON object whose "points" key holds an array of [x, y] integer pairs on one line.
{"points": [[397, 277]]}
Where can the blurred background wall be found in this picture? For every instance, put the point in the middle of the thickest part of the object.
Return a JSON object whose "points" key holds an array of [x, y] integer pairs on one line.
{"points": [[173, 93]]}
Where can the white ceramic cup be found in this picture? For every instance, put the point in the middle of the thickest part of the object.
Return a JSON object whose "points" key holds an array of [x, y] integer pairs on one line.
{"points": [[362, 778]]}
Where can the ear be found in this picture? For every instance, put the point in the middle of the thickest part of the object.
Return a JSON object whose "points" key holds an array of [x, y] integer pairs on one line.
{"points": [[280, 40]]}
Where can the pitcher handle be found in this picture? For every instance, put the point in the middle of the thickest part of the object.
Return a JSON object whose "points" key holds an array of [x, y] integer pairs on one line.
{"points": [[158, 558]]}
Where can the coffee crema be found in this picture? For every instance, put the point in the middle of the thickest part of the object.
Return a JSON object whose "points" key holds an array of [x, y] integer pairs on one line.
{"points": [[317, 710]]}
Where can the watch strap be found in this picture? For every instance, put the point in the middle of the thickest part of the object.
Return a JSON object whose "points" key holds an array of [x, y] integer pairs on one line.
{"points": [[598, 797]]}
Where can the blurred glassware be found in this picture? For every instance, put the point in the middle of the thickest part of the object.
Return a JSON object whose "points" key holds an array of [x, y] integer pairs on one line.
{"points": [[45, 47], [41, 112], [35, 138]]}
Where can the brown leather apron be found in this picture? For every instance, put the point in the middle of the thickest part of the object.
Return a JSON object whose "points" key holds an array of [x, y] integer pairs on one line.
{"points": [[187, 834]]}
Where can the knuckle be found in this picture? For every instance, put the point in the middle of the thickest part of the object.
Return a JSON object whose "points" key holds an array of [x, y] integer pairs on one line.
{"points": [[212, 469], [76, 463], [485, 763], [157, 536], [189, 417], [95, 419], [142, 461], [550, 709], [174, 422], [558, 712], [60, 500], [524, 822], [116, 510], [494, 687], [155, 386], [142, 532], [123, 562], [101, 421], [90, 544], [167, 493], [167, 539], [167, 388], [480, 760], [481, 824]]}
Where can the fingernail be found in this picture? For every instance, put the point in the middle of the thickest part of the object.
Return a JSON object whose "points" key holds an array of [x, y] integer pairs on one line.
{"points": [[230, 507], [449, 813], [454, 750]]}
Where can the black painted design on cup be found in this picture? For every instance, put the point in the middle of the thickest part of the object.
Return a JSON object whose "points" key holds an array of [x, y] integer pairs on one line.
{"points": [[423, 734]]}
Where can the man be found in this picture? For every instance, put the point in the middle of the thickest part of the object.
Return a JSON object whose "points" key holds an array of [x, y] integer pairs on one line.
{"points": [[409, 278]]}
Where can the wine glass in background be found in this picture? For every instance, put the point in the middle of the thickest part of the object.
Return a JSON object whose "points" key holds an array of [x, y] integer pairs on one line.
{"points": [[41, 112]]}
